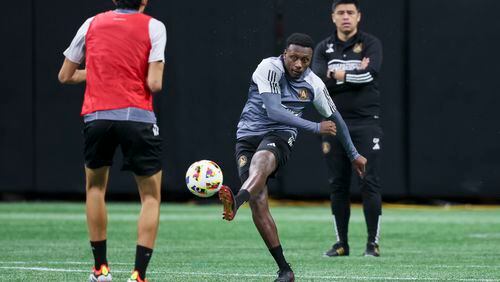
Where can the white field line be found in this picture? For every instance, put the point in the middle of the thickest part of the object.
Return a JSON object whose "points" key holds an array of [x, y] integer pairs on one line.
{"points": [[130, 264], [310, 277], [127, 217]]}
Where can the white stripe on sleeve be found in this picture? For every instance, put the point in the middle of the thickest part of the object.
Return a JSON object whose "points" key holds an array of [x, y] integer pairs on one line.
{"points": [[359, 78]]}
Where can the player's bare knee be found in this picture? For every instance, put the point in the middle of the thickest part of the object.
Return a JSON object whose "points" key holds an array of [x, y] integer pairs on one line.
{"points": [[258, 176], [150, 200]]}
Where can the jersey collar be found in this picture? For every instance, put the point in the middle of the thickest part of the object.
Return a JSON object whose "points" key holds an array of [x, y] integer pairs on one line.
{"points": [[350, 41], [126, 11]]}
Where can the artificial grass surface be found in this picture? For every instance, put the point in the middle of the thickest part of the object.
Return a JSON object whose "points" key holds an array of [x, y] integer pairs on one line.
{"points": [[48, 242]]}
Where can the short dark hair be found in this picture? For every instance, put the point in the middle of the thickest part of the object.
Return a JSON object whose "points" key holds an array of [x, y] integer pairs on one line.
{"points": [[300, 39], [128, 4], [339, 2]]}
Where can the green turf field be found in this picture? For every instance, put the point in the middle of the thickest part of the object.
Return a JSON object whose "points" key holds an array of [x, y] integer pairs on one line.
{"points": [[48, 242]]}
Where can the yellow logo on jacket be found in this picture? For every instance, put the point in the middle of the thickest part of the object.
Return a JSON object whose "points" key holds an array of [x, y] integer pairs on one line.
{"points": [[358, 47]]}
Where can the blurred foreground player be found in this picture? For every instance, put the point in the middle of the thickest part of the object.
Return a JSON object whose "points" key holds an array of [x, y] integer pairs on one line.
{"points": [[124, 57], [281, 88]]}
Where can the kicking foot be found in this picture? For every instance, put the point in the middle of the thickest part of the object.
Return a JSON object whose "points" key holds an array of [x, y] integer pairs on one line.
{"points": [[226, 196]]}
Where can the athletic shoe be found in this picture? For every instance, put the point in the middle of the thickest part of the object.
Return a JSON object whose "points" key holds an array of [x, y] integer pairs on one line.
{"points": [[372, 249], [227, 198], [285, 275], [135, 277], [101, 275], [338, 249]]}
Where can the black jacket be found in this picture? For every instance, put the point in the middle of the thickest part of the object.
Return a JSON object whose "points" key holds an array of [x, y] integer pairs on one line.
{"points": [[358, 96]]}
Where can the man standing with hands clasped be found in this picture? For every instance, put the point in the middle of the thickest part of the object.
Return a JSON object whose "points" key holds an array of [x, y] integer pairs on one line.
{"points": [[349, 61]]}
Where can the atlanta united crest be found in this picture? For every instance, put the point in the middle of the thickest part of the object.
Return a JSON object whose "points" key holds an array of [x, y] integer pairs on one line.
{"points": [[242, 161], [358, 47], [303, 95]]}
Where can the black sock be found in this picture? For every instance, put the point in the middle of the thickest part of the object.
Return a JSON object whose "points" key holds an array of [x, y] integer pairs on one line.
{"points": [[142, 257], [277, 253], [99, 251], [242, 197]]}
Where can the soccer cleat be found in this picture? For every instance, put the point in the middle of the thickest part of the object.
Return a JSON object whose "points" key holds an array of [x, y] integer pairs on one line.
{"points": [[227, 198], [135, 277], [372, 249], [285, 275], [338, 249], [101, 275]]}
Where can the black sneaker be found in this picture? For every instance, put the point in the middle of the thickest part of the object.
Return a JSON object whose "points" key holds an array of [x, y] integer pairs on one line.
{"points": [[337, 250], [372, 250], [285, 275]]}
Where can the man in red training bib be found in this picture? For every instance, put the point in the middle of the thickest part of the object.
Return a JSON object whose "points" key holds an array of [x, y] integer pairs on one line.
{"points": [[124, 57]]}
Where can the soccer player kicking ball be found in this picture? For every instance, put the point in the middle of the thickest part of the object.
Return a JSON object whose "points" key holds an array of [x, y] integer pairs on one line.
{"points": [[124, 56], [281, 88]]}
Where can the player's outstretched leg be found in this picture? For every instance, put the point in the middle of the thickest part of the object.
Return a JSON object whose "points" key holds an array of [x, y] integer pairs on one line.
{"points": [[262, 165]]}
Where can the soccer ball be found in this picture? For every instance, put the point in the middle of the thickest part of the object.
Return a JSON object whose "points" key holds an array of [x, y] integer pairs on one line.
{"points": [[204, 178]]}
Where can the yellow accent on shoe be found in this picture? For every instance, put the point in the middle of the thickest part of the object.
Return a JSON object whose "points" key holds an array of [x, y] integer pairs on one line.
{"points": [[104, 270], [134, 276], [340, 251]]}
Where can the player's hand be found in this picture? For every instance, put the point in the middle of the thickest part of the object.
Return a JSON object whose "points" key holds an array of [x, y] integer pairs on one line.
{"points": [[364, 63], [329, 74], [327, 127], [360, 165]]}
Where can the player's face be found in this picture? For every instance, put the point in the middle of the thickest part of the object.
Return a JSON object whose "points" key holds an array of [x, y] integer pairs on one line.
{"points": [[346, 17], [297, 59]]}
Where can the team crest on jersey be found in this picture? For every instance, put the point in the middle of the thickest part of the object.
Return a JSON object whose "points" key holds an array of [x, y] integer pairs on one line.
{"points": [[242, 161], [303, 94], [358, 47]]}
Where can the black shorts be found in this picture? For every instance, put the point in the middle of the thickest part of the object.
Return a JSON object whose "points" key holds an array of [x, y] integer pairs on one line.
{"points": [[140, 144], [279, 143]]}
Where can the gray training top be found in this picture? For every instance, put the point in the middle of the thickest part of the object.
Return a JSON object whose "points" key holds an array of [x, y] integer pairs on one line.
{"points": [[296, 94], [276, 102]]}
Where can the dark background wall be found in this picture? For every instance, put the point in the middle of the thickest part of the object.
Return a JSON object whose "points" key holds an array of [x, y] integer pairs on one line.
{"points": [[438, 92]]}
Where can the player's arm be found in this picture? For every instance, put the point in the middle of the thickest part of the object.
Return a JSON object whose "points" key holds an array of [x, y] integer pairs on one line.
{"points": [[320, 67], [278, 113], [325, 106], [369, 67], [155, 76], [75, 54], [158, 35], [70, 74], [267, 77]]}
